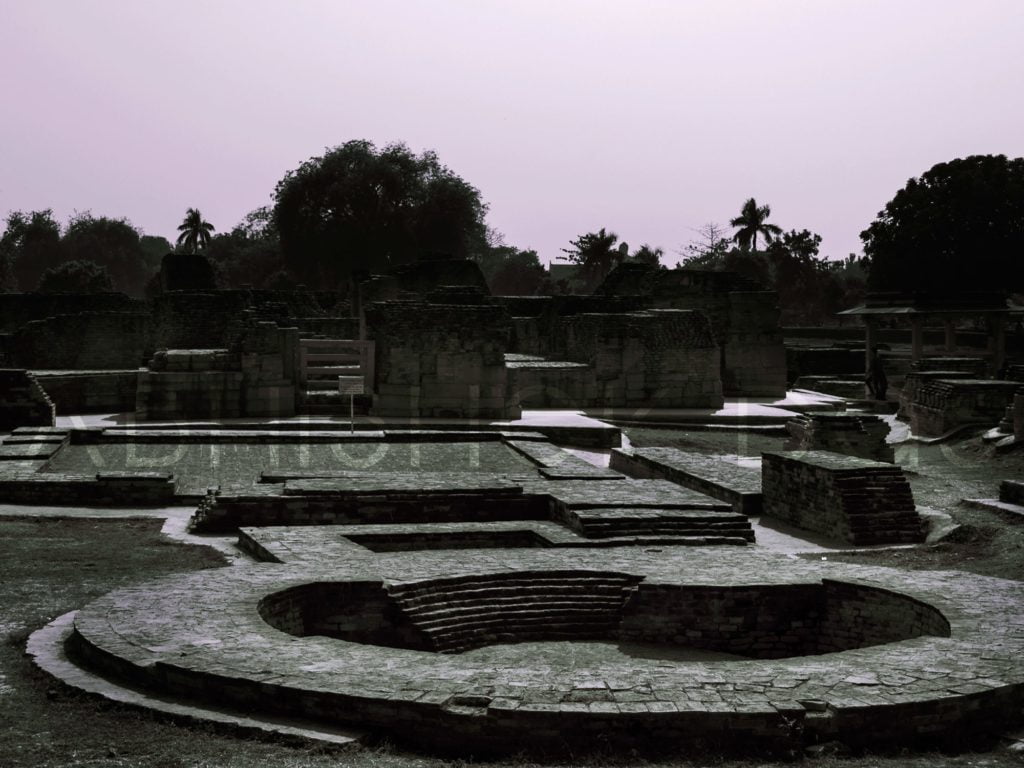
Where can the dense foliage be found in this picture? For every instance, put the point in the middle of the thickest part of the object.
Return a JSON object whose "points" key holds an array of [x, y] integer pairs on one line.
{"points": [[76, 277], [360, 209], [957, 228]]}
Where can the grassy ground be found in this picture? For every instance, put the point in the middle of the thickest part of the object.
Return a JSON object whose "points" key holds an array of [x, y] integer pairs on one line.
{"points": [[199, 465], [50, 566]]}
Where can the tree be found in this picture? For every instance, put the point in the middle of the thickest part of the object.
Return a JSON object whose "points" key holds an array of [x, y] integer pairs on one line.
{"points": [[959, 227], [250, 254], [708, 250], [76, 277], [519, 273], [111, 243], [195, 232], [751, 222], [356, 208], [647, 254], [29, 246], [597, 254]]}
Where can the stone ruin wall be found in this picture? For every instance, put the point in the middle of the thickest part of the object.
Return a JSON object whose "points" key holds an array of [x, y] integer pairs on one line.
{"points": [[23, 403], [16, 309], [942, 405], [656, 358], [85, 341], [435, 360], [842, 497]]}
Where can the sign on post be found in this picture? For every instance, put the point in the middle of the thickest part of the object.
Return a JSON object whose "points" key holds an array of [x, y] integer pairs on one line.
{"points": [[351, 386]]}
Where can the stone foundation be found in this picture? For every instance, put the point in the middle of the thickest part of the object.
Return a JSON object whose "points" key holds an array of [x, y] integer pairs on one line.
{"points": [[846, 433], [23, 403], [842, 497], [945, 404]]}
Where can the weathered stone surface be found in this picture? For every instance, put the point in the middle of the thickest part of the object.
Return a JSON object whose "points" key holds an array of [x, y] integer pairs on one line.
{"points": [[843, 497], [902, 658], [853, 434], [720, 477], [23, 402], [945, 404]]}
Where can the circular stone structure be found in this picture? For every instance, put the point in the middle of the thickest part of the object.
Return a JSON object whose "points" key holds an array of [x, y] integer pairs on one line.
{"points": [[868, 656]]}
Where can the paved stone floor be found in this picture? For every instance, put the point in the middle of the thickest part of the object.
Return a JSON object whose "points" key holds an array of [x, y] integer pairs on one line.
{"points": [[203, 633]]}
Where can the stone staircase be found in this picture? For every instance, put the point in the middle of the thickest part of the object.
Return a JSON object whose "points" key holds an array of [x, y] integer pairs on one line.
{"points": [[677, 526], [322, 361], [465, 612]]}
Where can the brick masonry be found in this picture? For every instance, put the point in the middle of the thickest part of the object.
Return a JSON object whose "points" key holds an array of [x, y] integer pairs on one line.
{"points": [[851, 434], [23, 402], [842, 497]]}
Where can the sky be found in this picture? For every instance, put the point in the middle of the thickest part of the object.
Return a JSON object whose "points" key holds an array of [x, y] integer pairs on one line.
{"points": [[650, 119]]}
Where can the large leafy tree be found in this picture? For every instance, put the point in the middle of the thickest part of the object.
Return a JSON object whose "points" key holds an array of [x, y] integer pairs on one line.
{"points": [[958, 227], [357, 208], [29, 246], [597, 254], [250, 253], [519, 273], [753, 221], [111, 243], [194, 231], [76, 277]]}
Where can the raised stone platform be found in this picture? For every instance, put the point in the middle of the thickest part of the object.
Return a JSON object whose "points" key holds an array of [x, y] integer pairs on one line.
{"points": [[843, 497], [720, 477], [866, 656], [853, 434]]}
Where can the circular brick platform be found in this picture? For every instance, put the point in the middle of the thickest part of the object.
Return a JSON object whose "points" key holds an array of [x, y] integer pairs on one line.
{"points": [[206, 635]]}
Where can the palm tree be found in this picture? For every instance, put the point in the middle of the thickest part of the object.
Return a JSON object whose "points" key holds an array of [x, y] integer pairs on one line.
{"points": [[750, 222], [195, 233], [597, 254]]}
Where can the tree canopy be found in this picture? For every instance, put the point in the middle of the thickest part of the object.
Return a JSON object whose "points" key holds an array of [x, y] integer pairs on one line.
{"points": [[357, 208], [29, 246], [194, 231], [958, 227], [752, 221], [111, 243], [250, 253], [76, 277], [597, 254]]}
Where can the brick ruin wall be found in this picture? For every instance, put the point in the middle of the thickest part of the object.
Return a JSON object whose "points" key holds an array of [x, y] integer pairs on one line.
{"points": [[945, 404], [16, 309], [23, 403], [85, 341], [657, 358], [842, 497], [441, 360], [850, 434]]}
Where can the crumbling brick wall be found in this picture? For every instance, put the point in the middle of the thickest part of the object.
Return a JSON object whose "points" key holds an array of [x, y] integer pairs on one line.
{"points": [[656, 358], [85, 341], [23, 403], [440, 360]]}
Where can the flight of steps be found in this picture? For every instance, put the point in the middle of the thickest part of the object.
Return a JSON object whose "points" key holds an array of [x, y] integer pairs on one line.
{"points": [[676, 526], [326, 360], [465, 612]]}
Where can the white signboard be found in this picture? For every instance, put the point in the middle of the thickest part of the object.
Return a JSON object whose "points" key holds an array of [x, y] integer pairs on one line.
{"points": [[351, 385]]}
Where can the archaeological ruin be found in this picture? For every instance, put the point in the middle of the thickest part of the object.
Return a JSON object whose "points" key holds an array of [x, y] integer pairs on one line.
{"points": [[645, 519]]}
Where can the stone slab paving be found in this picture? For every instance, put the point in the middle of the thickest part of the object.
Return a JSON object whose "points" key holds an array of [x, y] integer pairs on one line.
{"points": [[202, 634], [721, 477]]}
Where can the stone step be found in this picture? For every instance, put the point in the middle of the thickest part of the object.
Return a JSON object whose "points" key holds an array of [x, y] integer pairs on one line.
{"points": [[458, 609]]}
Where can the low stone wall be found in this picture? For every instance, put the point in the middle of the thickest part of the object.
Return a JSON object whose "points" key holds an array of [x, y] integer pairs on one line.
{"points": [[23, 403], [945, 404], [108, 489], [842, 497], [847, 433], [91, 391], [714, 476], [17, 309], [1012, 492], [86, 341], [190, 383], [914, 380], [551, 384]]}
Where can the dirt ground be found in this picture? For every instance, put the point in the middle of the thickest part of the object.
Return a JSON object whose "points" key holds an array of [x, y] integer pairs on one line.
{"points": [[51, 565]]}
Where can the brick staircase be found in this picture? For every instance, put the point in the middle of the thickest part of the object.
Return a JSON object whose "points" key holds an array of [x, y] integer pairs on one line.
{"points": [[465, 612], [677, 526]]}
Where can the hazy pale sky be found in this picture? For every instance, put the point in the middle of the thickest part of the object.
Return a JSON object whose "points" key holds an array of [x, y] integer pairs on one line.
{"points": [[646, 118]]}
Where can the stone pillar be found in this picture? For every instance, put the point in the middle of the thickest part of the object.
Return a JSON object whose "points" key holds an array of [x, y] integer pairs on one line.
{"points": [[950, 328], [916, 338]]}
